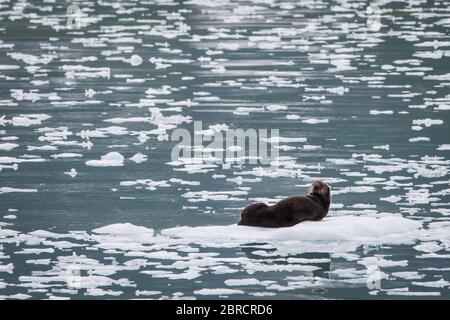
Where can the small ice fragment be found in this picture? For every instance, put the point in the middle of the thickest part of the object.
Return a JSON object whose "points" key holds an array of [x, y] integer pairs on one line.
{"points": [[112, 159], [72, 173]]}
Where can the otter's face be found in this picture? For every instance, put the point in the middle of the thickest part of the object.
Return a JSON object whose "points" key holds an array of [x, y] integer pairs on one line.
{"points": [[251, 215], [321, 188]]}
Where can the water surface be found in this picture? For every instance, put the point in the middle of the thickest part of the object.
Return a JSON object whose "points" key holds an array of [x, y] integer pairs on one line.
{"points": [[372, 108]]}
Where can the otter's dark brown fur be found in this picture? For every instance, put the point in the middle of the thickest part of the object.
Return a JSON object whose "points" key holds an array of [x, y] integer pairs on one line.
{"points": [[290, 211]]}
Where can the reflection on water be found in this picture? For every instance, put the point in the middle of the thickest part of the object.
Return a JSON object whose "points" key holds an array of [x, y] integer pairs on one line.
{"points": [[89, 95]]}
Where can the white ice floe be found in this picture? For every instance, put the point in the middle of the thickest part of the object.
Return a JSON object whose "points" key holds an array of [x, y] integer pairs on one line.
{"points": [[217, 292], [112, 159], [242, 282], [123, 229], [418, 139], [284, 139], [66, 155], [8, 146], [10, 190], [123, 235], [443, 147], [84, 72], [432, 284], [359, 229], [429, 247], [315, 121], [275, 107], [27, 120], [148, 183], [427, 122], [72, 173], [377, 112], [408, 275], [31, 59]]}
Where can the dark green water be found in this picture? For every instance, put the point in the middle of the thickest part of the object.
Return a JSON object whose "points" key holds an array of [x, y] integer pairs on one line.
{"points": [[373, 107]]}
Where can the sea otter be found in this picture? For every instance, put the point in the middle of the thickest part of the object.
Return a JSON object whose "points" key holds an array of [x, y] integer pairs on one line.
{"points": [[290, 211]]}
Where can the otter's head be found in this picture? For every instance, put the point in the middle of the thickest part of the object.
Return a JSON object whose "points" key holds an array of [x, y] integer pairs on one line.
{"points": [[320, 188], [253, 214]]}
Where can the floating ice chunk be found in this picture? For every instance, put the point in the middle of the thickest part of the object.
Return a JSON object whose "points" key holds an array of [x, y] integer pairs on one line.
{"points": [[10, 190], [358, 189], [8, 67], [42, 148], [443, 147], [139, 158], [128, 120], [149, 183], [66, 155], [147, 293], [21, 95], [408, 275], [427, 122], [442, 107], [441, 77], [7, 268], [229, 46], [164, 90], [28, 120], [242, 282], [276, 107], [392, 199], [419, 196], [123, 236], [15, 160], [30, 59], [217, 292], [124, 229], [435, 44], [338, 90], [197, 196], [83, 72], [343, 228], [98, 292], [429, 247], [8, 146], [377, 112], [382, 262], [432, 284], [18, 296], [183, 182], [341, 161], [419, 139], [283, 139], [341, 64], [382, 147], [435, 172], [89, 93], [45, 262], [72, 173], [429, 54], [314, 121], [112, 159]]}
